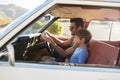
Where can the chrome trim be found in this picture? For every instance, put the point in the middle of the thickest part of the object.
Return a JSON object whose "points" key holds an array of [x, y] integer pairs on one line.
{"points": [[71, 68], [11, 57]]}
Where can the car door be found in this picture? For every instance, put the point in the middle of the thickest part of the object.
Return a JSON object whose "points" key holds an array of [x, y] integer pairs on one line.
{"points": [[12, 69]]}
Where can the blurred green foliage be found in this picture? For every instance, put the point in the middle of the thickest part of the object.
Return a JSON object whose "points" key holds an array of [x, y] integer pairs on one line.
{"points": [[56, 28], [37, 25], [4, 21]]}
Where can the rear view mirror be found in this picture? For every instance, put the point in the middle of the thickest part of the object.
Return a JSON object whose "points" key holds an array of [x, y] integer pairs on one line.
{"points": [[47, 17]]}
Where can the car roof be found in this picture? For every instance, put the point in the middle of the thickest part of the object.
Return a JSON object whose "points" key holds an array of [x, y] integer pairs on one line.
{"points": [[105, 0], [87, 9], [108, 0], [99, 0]]}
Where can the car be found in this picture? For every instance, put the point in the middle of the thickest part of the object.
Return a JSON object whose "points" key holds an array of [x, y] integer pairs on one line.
{"points": [[19, 39]]}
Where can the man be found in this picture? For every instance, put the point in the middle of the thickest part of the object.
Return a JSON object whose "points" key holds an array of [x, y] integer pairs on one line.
{"points": [[60, 54], [76, 24]]}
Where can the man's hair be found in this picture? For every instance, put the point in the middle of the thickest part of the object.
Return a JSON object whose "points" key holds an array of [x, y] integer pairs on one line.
{"points": [[84, 34], [78, 22]]}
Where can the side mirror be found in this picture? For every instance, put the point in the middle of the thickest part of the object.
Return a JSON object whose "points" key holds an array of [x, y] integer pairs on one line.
{"points": [[47, 17], [10, 53]]}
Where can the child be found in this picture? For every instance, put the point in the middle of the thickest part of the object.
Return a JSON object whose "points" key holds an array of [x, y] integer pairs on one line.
{"points": [[80, 54]]}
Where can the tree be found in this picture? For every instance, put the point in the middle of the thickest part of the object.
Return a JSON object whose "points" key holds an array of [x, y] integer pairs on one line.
{"points": [[4, 21], [56, 28], [37, 25]]}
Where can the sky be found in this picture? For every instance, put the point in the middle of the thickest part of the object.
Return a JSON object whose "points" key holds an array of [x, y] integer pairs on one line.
{"points": [[28, 4]]}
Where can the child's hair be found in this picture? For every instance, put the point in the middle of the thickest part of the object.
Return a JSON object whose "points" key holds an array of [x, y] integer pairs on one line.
{"points": [[84, 34]]}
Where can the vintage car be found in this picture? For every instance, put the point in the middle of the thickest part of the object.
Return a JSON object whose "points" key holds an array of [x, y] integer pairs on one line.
{"points": [[19, 39]]}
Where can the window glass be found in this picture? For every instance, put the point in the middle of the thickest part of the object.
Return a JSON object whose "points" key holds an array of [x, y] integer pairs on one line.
{"points": [[34, 28], [100, 29], [105, 30], [115, 33], [66, 25]]}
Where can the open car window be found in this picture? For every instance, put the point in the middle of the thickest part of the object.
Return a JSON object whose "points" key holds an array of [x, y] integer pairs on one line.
{"points": [[115, 31]]}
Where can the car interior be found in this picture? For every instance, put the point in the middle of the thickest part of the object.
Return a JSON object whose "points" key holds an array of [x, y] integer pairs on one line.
{"points": [[101, 52]]}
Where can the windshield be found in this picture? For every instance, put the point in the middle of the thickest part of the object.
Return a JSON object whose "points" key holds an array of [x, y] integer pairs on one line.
{"points": [[38, 25], [13, 11]]}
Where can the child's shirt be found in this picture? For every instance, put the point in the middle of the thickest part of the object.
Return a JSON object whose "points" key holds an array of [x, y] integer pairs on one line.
{"points": [[79, 56]]}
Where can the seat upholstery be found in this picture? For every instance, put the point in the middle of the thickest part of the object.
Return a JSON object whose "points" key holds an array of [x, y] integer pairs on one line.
{"points": [[114, 43], [102, 53]]}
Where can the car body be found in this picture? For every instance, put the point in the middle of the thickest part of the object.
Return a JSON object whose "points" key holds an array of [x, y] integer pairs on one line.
{"points": [[17, 36]]}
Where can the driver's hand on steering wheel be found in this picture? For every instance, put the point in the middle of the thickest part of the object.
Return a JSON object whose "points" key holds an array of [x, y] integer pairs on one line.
{"points": [[47, 38]]}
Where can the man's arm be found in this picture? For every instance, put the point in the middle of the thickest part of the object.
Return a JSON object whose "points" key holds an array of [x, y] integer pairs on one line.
{"points": [[64, 53], [60, 42]]}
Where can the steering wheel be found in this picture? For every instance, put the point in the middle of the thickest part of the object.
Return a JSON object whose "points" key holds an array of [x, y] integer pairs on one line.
{"points": [[47, 45], [49, 48]]}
